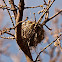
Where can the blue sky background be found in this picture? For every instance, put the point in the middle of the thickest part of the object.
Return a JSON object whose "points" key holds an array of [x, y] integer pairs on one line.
{"points": [[28, 12]]}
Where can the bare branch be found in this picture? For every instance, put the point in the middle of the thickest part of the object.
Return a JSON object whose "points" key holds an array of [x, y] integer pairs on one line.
{"points": [[47, 46], [9, 13], [22, 45], [8, 8], [6, 30], [45, 11], [13, 8], [48, 27], [10, 34], [8, 37], [45, 2], [45, 21], [33, 7], [5, 7]]}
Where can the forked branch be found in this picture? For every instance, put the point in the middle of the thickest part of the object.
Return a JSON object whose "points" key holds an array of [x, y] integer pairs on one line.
{"points": [[45, 21]]}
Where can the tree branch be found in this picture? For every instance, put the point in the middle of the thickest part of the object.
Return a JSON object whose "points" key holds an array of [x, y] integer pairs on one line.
{"points": [[13, 8], [23, 45], [6, 30], [8, 37], [33, 7], [45, 21], [9, 13], [45, 11], [47, 46]]}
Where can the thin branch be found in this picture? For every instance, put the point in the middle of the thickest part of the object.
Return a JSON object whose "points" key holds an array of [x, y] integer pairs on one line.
{"points": [[7, 33], [47, 46], [45, 3], [57, 10], [8, 8], [21, 22], [10, 34], [6, 30], [9, 13], [47, 14], [48, 27], [45, 11], [33, 7], [34, 17], [13, 8], [45, 21], [8, 37], [40, 11], [5, 7]]}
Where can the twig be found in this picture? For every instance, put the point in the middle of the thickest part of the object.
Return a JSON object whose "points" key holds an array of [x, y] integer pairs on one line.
{"points": [[8, 37], [45, 11], [45, 21], [47, 14], [34, 17], [20, 22], [5, 7], [57, 10], [8, 8], [13, 8], [7, 33], [47, 46], [48, 27], [8, 13], [40, 11], [6, 30], [45, 2], [10, 34], [33, 7]]}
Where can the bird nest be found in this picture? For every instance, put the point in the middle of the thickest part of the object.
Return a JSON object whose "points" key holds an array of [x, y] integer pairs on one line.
{"points": [[32, 33]]}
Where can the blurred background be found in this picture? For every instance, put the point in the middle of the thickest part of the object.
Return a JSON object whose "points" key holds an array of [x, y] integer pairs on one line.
{"points": [[9, 49]]}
